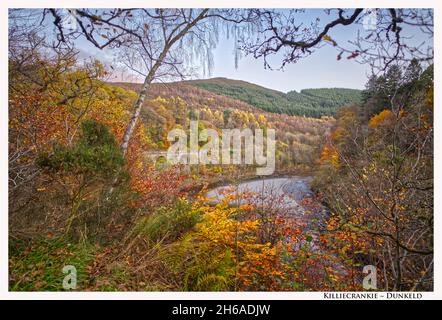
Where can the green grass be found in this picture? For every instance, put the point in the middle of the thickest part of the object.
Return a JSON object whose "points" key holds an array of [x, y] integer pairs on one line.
{"points": [[168, 224], [39, 267]]}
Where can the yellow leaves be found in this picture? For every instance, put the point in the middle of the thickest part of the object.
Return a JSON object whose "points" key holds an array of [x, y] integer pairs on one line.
{"points": [[262, 120], [221, 226], [329, 154], [329, 39], [338, 134], [430, 97], [160, 100], [258, 264], [384, 117]]}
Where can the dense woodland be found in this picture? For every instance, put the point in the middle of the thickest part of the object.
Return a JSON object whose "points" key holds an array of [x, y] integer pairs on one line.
{"points": [[377, 178], [84, 191], [299, 139], [308, 102]]}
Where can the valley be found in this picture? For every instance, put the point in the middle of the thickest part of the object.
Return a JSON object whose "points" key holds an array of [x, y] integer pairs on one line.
{"points": [[93, 190]]}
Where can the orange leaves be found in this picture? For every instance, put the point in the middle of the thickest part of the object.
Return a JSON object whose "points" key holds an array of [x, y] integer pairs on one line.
{"points": [[36, 123], [260, 264], [427, 122], [330, 155], [346, 121], [247, 207], [155, 188], [383, 118]]}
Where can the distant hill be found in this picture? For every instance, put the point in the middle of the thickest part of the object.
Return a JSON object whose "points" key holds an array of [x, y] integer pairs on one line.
{"points": [[168, 105], [195, 97], [307, 102]]}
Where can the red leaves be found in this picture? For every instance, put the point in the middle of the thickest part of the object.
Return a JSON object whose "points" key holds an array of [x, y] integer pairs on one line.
{"points": [[156, 188], [354, 54], [339, 57]]}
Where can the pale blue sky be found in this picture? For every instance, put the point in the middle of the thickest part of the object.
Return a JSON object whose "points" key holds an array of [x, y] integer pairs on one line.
{"points": [[319, 70]]}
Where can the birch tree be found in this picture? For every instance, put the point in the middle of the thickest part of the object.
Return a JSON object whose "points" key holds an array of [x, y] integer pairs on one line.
{"points": [[156, 44]]}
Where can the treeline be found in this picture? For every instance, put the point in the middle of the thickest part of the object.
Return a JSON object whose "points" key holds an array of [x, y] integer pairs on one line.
{"points": [[332, 97], [376, 177], [308, 102]]}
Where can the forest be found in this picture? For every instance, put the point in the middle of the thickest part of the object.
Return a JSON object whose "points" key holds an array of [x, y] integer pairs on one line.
{"points": [[308, 102], [90, 188]]}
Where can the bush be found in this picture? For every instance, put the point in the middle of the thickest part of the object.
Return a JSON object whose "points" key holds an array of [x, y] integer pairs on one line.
{"points": [[168, 223], [96, 152], [83, 175]]}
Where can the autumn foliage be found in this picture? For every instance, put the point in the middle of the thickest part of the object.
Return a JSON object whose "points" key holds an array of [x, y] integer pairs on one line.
{"points": [[136, 222], [377, 178]]}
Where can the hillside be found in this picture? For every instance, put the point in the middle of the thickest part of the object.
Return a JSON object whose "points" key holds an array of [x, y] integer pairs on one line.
{"points": [[172, 104], [192, 95], [308, 102]]}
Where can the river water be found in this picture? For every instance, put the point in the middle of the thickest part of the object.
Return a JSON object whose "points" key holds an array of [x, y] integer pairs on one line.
{"points": [[292, 195]]}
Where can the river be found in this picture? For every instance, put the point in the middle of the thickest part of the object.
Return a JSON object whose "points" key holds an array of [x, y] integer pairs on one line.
{"points": [[292, 195]]}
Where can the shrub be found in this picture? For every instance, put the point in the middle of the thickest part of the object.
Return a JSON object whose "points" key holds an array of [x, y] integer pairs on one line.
{"points": [[168, 223], [96, 152], [83, 175]]}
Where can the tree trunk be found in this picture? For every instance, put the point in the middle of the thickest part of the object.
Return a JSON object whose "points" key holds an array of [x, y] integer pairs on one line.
{"points": [[150, 76], [137, 109]]}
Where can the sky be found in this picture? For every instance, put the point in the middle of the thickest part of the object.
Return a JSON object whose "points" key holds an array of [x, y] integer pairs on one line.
{"points": [[321, 69]]}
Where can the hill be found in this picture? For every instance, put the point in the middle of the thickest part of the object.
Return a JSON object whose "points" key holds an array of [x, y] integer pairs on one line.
{"points": [[307, 102], [172, 104]]}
